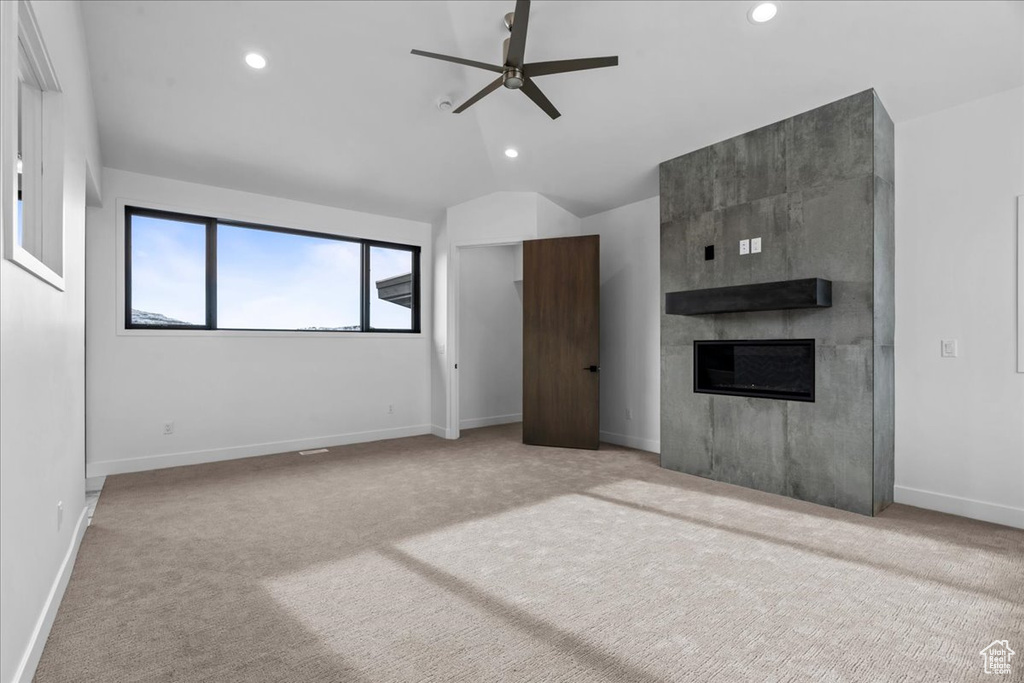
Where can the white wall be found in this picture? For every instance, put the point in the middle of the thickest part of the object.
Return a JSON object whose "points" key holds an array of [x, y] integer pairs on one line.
{"points": [[630, 323], [554, 221], [497, 217], [42, 364], [439, 377], [959, 422], [237, 394], [490, 338]]}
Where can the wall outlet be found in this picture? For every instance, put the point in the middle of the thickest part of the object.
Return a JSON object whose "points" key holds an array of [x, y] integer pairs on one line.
{"points": [[949, 349], [755, 245], [744, 247], [629, 414], [60, 514], [168, 428], [391, 409]]}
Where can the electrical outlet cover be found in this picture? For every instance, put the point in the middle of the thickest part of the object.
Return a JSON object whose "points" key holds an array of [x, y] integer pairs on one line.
{"points": [[744, 247]]}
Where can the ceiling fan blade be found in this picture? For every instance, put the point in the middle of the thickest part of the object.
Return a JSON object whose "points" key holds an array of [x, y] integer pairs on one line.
{"points": [[491, 87], [534, 93], [517, 43], [565, 65], [459, 60]]}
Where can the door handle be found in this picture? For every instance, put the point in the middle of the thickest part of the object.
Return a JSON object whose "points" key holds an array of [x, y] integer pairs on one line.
{"points": [[593, 368]]}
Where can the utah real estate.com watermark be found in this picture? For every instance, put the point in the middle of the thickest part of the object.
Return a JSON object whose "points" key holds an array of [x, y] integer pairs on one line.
{"points": [[997, 657]]}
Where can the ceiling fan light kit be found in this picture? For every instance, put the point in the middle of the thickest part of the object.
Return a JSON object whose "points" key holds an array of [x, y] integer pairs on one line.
{"points": [[515, 74], [513, 79]]}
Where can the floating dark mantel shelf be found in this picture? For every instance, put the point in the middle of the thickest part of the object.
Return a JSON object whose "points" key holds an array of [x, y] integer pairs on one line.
{"points": [[766, 296]]}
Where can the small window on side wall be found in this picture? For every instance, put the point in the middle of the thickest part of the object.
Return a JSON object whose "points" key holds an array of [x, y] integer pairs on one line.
{"points": [[34, 235]]}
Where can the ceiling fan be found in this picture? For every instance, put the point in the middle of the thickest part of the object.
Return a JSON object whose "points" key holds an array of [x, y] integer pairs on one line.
{"points": [[515, 73]]}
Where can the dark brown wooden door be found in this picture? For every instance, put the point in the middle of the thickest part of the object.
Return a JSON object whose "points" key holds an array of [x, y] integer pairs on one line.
{"points": [[561, 341]]}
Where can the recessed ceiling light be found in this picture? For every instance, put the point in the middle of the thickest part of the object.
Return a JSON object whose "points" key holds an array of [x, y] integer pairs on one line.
{"points": [[511, 152], [762, 12], [255, 60]]}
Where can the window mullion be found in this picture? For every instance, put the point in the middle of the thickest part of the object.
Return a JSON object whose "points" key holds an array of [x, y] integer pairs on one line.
{"points": [[416, 320], [127, 268], [211, 274], [364, 297]]}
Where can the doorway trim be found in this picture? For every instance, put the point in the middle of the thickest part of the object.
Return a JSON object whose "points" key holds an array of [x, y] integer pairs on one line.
{"points": [[452, 428]]}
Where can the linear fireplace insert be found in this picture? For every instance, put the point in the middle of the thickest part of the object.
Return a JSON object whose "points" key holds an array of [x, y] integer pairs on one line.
{"points": [[762, 368]]}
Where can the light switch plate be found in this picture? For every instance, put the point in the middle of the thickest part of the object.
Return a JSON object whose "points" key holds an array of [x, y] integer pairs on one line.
{"points": [[744, 247], [949, 349], [755, 245]]}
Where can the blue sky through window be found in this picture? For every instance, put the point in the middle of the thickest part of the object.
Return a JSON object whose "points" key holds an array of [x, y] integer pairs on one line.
{"points": [[278, 281], [386, 263], [169, 269]]}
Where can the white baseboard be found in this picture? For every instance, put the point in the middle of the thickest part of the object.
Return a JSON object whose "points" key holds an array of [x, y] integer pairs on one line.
{"points": [[475, 422], [963, 507], [94, 483], [442, 432], [154, 462], [30, 660], [637, 442]]}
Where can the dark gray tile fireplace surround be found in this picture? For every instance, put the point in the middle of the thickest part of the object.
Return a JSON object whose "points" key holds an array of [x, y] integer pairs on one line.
{"points": [[818, 189]]}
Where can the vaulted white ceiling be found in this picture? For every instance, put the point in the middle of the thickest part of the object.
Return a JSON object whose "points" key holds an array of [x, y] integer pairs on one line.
{"points": [[345, 116]]}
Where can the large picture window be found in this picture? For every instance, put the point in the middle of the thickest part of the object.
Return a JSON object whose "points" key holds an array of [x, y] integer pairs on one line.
{"points": [[193, 272]]}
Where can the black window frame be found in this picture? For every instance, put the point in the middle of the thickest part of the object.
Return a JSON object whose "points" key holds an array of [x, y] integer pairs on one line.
{"points": [[211, 224]]}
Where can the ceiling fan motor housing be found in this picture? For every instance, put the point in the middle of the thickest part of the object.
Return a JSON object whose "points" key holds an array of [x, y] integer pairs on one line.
{"points": [[513, 78]]}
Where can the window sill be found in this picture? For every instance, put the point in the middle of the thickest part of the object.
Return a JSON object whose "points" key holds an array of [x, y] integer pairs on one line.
{"points": [[123, 332], [22, 257]]}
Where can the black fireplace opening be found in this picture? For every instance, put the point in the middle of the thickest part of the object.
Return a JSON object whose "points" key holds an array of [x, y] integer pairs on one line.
{"points": [[762, 368]]}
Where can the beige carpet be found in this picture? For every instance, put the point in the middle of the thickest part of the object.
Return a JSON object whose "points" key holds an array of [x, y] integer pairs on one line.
{"points": [[485, 560]]}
